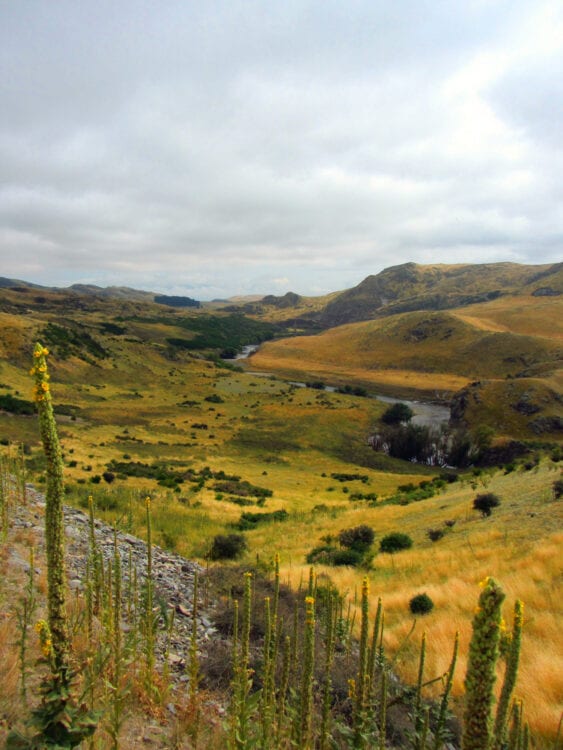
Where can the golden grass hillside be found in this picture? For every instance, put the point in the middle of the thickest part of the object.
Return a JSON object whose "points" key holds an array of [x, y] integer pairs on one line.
{"points": [[438, 353], [520, 545], [145, 402]]}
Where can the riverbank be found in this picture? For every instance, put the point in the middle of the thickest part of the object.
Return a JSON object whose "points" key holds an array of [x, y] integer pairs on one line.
{"points": [[432, 412]]}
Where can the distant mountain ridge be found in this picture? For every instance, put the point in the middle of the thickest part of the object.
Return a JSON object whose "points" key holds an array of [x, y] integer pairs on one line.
{"points": [[408, 287], [411, 287], [117, 292]]}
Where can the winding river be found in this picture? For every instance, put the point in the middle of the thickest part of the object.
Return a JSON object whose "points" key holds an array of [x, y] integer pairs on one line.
{"points": [[425, 412]]}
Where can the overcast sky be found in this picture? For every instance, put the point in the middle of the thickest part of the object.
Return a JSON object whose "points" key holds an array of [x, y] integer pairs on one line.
{"points": [[227, 147]]}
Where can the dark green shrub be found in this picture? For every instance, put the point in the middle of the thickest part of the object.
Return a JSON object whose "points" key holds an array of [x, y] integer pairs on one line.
{"points": [[251, 520], [227, 547], [347, 557], [421, 604], [16, 405], [435, 534], [108, 476], [358, 538], [316, 384], [485, 503], [449, 477], [350, 477], [322, 555], [214, 399], [397, 413], [395, 542], [558, 488]]}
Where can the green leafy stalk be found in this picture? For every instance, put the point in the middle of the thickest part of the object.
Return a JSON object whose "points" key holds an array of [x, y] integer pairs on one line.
{"points": [[331, 616], [372, 658], [441, 721], [54, 528], [383, 711], [480, 677], [515, 727], [149, 615], [303, 726], [513, 658], [24, 614], [361, 686], [193, 669], [418, 715]]}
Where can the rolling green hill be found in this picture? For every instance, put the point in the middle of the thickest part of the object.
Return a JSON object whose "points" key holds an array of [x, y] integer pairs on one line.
{"points": [[146, 406]]}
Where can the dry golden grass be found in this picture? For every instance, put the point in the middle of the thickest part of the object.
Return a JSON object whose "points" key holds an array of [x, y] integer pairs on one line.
{"points": [[430, 352], [520, 545], [527, 315], [518, 548], [300, 364]]}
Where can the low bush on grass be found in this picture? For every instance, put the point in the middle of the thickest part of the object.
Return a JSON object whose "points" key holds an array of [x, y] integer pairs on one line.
{"points": [[227, 547], [395, 542], [421, 604], [149, 471], [242, 488], [355, 548], [369, 497], [485, 503], [347, 557], [215, 398], [397, 413], [322, 555], [341, 477], [75, 341], [249, 520], [352, 390], [435, 534], [15, 405], [358, 538]]}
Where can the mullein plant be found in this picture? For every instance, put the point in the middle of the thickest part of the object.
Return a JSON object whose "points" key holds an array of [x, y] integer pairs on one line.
{"points": [[302, 727], [193, 671], [149, 618], [360, 711], [58, 721], [54, 529], [241, 706], [3, 499], [481, 668], [24, 614], [440, 733], [512, 655], [331, 615]]}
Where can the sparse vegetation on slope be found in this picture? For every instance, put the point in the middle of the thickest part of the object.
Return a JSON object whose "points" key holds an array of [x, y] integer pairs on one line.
{"points": [[145, 404]]}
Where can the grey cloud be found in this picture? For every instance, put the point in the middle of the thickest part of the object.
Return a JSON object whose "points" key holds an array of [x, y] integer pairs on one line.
{"points": [[221, 146]]}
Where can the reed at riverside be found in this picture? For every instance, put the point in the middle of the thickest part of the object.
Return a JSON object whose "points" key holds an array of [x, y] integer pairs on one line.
{"points": [[303, 682]]}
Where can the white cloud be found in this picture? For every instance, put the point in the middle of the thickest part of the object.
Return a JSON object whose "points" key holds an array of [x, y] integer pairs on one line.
{"points": [[235, 147]]}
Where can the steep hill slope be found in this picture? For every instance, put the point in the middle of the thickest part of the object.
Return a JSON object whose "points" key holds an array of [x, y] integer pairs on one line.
{"points": [[411, 287], [507, 341]]}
